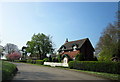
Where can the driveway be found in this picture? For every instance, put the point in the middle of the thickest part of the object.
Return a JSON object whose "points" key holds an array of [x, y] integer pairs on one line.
{"points": [[34, 72]]}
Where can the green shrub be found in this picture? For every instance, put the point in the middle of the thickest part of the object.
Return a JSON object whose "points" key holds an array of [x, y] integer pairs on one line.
{"points": [[59, 57], [29, 61], [16, 60], [80, 57], [33, 61], [98, 66], [8, 70], [46, 59], [50, 58], [24, 61], [39, 62], [71, 64], [53, 59]]}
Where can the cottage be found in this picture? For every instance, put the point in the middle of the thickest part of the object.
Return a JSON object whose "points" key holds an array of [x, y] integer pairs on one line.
{"points": [[69, 50]]}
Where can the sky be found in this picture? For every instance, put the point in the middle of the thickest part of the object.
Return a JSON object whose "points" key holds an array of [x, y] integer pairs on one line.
{"points": [[61, 20]]}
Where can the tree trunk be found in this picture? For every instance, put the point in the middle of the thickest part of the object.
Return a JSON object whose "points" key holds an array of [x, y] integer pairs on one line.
{"points": [[39, 52]]}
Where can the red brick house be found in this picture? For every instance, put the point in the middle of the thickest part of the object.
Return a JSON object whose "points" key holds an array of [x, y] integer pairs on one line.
{"points": [[69, 50]]}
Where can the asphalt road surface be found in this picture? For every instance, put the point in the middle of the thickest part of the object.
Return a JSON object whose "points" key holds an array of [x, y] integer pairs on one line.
{"points": [[34, 72]]}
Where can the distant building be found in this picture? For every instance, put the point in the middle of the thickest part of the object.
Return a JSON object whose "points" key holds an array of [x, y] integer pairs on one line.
{"points": [[69, 50]]}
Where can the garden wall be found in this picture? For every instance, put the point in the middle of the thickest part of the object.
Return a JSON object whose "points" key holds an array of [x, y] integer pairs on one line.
{"points": [[56, 64]]}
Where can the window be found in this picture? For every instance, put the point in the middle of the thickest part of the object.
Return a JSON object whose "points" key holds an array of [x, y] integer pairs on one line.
{"points": [[63, 49], [74, 58], [74, 48]]}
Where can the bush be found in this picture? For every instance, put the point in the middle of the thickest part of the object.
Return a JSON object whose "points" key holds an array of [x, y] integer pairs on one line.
{"points": [[46, 59], [54, 59], [80, 57], [16, 60], [8, 70], [97, 66], [59, 57], [29, 61], [39, 62], [33, 61], [70, 63], [13, 56], [50, 58], [24, 61]]}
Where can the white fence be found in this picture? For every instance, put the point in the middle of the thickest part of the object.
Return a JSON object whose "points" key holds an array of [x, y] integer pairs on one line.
{"points": [[56, 64]]}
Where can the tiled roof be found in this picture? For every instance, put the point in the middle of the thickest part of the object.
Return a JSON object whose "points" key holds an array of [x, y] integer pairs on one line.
{"points": [[69, 45], [71, 54]]}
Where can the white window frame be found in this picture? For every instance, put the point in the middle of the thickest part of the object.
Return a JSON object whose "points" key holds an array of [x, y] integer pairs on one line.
{"points": [[74, 48], [63, 49]]}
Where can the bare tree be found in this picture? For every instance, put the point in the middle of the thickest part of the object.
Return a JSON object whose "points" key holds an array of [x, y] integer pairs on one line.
{"points": [[9, 48]]}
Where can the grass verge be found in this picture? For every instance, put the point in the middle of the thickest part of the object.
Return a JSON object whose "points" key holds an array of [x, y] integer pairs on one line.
{"points": [[8, 70], [100, 74]]}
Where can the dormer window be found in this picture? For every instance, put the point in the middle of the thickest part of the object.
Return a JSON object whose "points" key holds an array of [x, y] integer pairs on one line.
{"points": [[74, 48], [63, 48]]}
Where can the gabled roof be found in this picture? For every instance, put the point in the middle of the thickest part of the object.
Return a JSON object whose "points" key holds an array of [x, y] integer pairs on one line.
{"points": [[69, 45], [71, 54]]}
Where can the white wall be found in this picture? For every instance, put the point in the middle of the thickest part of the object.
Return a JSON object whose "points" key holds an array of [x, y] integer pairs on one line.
{"points": [[56, 64]]}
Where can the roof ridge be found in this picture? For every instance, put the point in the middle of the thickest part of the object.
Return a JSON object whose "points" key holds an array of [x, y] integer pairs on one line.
{"points": [[75, 41]]}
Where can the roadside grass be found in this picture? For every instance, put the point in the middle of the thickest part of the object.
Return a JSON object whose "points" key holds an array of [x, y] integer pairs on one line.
{"points": [[108, 76], [100, 74], [8, 70]]}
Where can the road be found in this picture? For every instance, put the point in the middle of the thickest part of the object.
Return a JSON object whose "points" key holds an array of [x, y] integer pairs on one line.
{"points": [[35, 72]]}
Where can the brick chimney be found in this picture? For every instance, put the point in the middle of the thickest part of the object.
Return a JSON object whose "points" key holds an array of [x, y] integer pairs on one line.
{"points": [[66, 40]]}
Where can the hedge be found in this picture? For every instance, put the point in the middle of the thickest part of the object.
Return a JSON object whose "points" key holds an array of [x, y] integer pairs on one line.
{"points": [[8, 70], [29, 61], [97, 66], [16, 60], [33, 61], [46, 60], [24, 61], [39, 62]]}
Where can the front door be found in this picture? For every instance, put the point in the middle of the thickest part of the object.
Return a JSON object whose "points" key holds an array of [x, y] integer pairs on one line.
{"points": [[65, 60]]}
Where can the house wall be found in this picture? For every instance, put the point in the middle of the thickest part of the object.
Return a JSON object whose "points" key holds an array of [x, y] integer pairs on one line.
{"points": [[87, 50]]}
